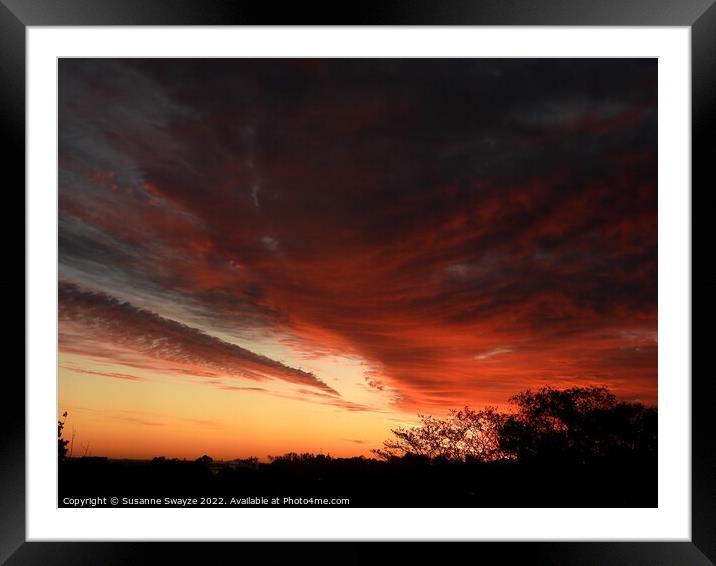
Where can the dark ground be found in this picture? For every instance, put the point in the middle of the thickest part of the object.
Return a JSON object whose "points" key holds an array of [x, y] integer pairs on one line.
{"points": [[409, 482]]}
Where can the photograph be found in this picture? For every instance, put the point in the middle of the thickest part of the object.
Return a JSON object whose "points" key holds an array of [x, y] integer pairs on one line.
{"points": [[357, 282]]}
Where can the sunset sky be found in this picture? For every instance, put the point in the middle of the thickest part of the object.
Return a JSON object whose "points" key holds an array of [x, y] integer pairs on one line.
{"points": [[259, 256]]}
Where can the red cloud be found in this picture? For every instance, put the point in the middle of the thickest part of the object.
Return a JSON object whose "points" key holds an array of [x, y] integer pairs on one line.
{"points": [[396, 211]]}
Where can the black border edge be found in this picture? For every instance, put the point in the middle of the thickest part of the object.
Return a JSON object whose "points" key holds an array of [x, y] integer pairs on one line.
{"points": [[699, 14], [361, 553], [12, 133], [370, 12], [703, 124]]}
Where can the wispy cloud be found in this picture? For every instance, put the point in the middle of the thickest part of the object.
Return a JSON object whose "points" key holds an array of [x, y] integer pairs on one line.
{"points": [[492, 353], [89, 319], [112, 374]]}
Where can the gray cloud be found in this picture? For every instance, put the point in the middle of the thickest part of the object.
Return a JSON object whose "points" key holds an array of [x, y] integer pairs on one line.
{"points": [[88, 317]]}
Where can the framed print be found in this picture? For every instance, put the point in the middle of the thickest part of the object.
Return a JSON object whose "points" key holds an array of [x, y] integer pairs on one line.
{"points": [[424, 275]]}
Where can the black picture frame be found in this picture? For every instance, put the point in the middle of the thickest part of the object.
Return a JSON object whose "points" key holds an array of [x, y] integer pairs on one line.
{"points": [[699, 15]]}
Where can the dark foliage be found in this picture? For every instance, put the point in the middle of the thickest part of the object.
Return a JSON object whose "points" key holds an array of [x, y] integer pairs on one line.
{"points": [[579, 424], [465, 435], [61, 442]]}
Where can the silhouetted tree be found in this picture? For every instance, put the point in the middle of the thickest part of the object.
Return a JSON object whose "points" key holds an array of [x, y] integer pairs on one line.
{"points": [[579, 423], [291, 458], [204, 459], [463, 435], [61, 443]]}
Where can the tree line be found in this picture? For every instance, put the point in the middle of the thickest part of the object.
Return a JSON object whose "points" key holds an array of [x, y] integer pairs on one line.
{"points": [[579, 424]]}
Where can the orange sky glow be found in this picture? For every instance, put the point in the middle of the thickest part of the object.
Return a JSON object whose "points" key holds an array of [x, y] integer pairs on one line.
{"points": [[265, 256]]}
